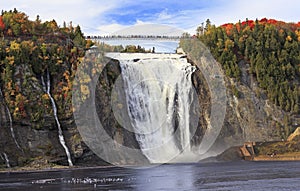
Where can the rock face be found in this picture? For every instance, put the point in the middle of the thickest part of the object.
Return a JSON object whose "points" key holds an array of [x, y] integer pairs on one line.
{"points": [[249, 117], [295, 136]]}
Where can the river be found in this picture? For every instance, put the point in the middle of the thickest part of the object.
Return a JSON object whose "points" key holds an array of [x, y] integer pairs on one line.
{"points": [[275, 176]]}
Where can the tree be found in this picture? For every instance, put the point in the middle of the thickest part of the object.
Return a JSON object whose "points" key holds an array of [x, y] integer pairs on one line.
{"points": [[207, 25], [79, 39]]}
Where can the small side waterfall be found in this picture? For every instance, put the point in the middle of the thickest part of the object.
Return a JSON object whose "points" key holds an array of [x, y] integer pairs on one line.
{"points": [[47, 88], [10, 123], [159, 94], [5, 158]]}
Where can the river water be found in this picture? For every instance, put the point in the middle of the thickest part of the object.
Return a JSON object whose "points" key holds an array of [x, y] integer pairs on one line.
{"points": [[275, 176]]}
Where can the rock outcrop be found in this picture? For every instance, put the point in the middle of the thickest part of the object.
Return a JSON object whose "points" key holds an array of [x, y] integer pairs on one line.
{"points": [[295, 136]]}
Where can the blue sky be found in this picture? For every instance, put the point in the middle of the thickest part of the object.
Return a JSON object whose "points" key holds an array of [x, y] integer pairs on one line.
{"points": [[98, 17]]}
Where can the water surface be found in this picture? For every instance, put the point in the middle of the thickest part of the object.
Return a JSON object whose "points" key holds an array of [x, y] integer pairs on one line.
{"points": [[209, 176]]}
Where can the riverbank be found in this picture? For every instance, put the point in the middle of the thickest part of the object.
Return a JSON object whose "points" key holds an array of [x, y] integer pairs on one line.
{"points": [[295, 156], [264, 151], [38, 165]]}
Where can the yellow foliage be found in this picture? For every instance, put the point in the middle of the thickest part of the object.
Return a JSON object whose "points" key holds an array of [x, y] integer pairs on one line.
{"points": [[66, 75], [229, 44], [66, 89], [80, 59], [14, 46], [8, 85], [84, 90], [74, 50], [85, 79], [45, 97], [12, 93], [289, 38], [19, 98], [297, 33], [11, 60], [60, 62]]}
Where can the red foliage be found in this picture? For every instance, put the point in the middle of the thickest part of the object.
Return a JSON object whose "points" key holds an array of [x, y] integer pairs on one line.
{"points": [[250, 23], [272, 21], [2, 25], [263, 20]]}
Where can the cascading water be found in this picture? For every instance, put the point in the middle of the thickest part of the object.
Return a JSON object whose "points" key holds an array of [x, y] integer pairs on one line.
{"points": [[11, 124], [47, 88], [5, 158], [158, 91]]}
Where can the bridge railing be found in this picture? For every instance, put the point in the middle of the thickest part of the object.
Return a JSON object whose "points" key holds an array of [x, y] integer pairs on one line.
{"points": [[134, 37]]}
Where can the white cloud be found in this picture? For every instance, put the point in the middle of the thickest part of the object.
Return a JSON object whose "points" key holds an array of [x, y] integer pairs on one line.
{"points": [[235, 10], [82, 12], [109, 29], [91, 15]]}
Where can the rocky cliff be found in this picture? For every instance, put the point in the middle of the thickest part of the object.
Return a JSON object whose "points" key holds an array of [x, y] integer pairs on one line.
{"points": [[249, 117]]}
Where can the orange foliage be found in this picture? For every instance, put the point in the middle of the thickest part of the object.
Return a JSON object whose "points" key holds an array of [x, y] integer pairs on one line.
{"points": [[228, 28]]}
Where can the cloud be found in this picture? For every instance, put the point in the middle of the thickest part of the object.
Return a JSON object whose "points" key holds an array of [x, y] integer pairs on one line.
{"points": [[106, 17], [236, 10], [83, 12]]}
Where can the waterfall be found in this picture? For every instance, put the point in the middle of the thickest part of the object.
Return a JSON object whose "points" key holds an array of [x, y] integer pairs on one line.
{"points": [[47, 88], [10, 122], [158, 91], [5, 158]]}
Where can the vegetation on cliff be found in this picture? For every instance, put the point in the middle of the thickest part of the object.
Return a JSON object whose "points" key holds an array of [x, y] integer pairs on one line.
{"points": [[270, 47], [28, 49]]}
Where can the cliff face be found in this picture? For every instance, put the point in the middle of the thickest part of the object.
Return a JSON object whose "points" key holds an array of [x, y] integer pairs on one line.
{"points": [[249, 117]]}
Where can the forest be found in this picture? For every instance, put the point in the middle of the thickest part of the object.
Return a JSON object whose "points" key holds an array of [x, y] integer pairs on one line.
{"points": [[29, 50], [272, 50]]}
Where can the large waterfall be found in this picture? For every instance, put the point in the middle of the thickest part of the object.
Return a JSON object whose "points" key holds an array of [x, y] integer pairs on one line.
{"points": [[159, 94]]}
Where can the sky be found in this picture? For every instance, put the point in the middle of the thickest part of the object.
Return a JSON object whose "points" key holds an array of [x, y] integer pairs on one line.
{"points": [[104, 17]]}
